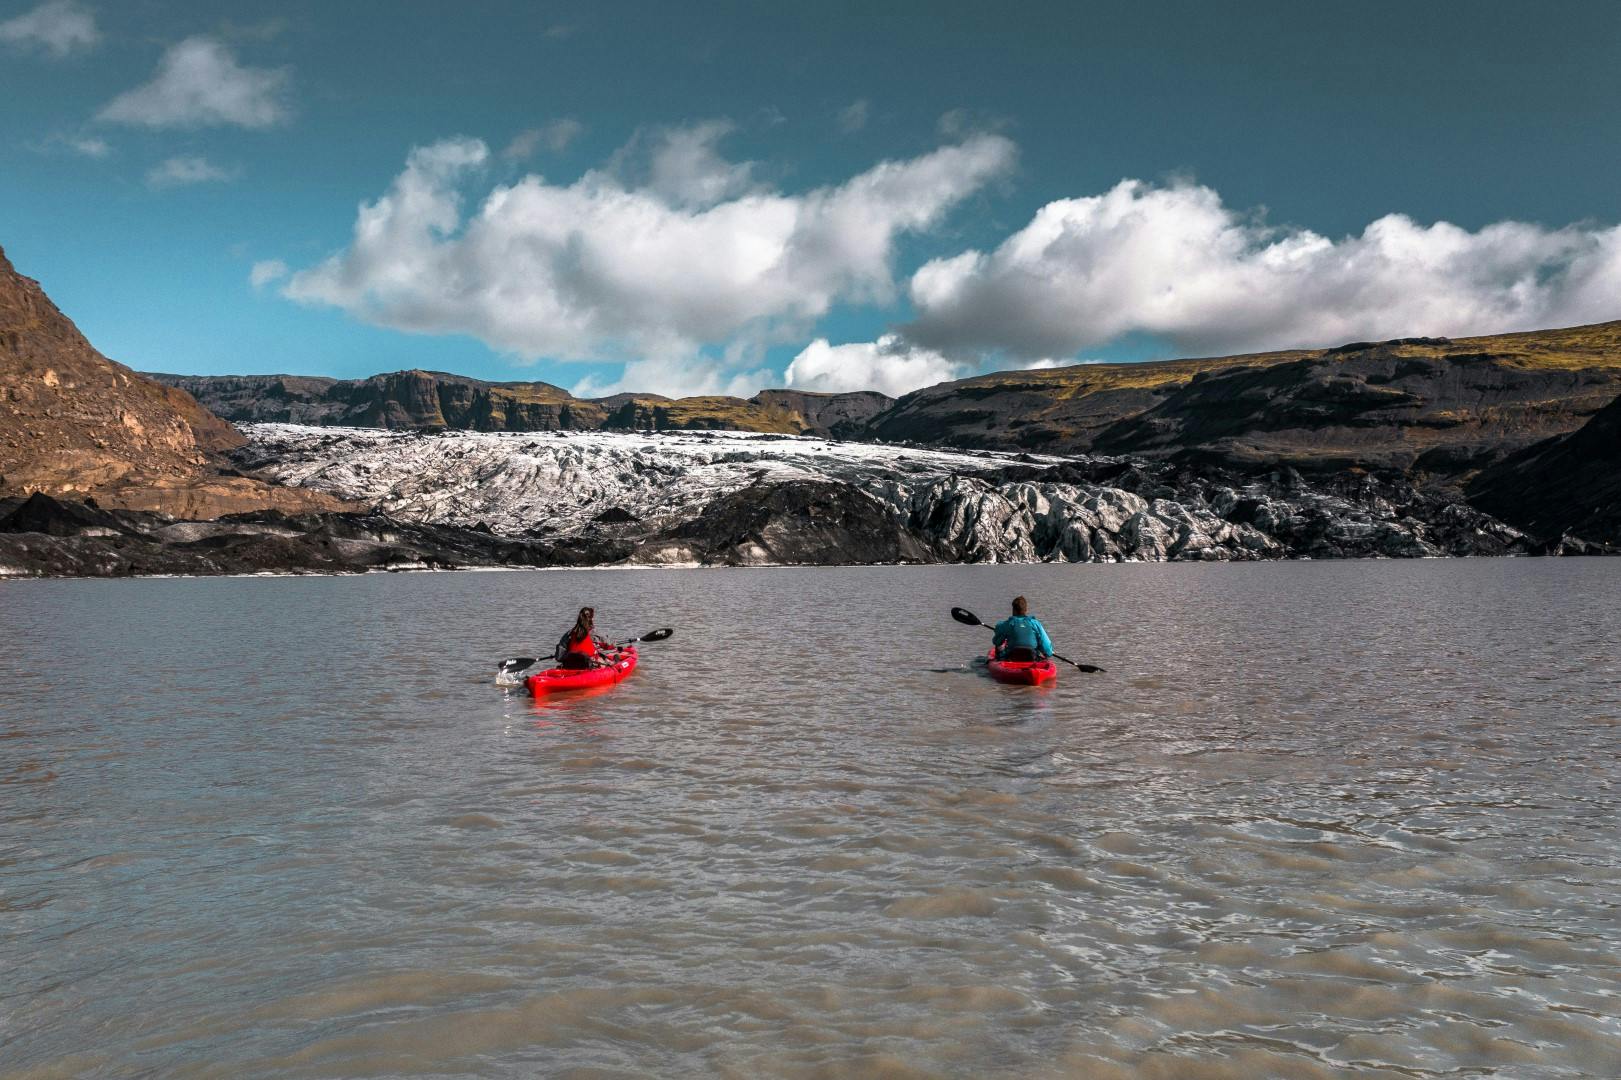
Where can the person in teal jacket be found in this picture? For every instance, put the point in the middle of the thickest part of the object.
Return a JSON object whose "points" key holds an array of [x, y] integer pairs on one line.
{"points": [[1021, 637]]}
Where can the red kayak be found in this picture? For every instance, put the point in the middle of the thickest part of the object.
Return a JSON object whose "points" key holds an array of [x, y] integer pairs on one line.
{"points": [[556, 679], [1022, 672]]}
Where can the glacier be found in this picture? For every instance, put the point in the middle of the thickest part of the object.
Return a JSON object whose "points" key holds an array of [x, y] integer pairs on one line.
{"points": [[740, 498]]}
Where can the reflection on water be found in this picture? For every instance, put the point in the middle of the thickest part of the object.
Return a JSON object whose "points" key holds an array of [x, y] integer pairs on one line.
{"points": [[1317, 820]]}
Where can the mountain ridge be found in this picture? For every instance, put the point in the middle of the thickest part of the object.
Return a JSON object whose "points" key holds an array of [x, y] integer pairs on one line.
{"points": [[1437, 407], [426, 400], [1432, 405]]}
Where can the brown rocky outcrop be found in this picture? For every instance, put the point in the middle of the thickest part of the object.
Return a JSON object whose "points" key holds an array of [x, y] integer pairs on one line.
{"points": [[1427, 405], [839, 416], [75, 424]]}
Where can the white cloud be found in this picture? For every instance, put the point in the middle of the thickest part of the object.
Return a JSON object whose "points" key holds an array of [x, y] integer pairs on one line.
{"points": [[88, 146], [199, 84], [58, 27], [687, 170], [265, 271], [853, 117], [599, 270], [555, 137], [678, 377], [185, 169], [1176, 263], [888, 365], [84, 145]]}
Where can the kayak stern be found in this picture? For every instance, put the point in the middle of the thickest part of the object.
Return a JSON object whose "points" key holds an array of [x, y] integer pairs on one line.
{"points": [[1022, 672], [556, 680]]}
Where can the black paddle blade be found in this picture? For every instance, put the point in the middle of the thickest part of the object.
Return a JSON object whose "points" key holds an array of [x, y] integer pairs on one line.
{"points": [[657, 635], [517, 663], [966, 617]]}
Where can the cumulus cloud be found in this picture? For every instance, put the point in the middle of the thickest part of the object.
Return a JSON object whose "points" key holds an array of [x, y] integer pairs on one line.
{"points": [[601, 270], [58, 27], [200, 84], [889, 365], [1175, 262], [185, 169], [555, 137], [265, 271]]}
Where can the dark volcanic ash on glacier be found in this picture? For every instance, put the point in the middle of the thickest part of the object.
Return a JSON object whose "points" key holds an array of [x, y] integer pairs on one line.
{"points": [[746, 499], [561, 482]]}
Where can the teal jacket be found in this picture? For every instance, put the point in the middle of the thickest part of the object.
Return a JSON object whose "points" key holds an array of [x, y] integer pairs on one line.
{"points": [[1022, 632]]}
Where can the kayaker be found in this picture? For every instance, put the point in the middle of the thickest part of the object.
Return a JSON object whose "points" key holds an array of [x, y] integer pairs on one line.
{"points": [[578, 647], [1021, 637]]}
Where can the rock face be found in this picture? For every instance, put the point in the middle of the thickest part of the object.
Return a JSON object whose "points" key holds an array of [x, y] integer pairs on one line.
{"points": [[1425, 405], [839, 416], [76, 424], [795, 522], [429, 400], [1566, 486], [401, 399], [75, 419]]}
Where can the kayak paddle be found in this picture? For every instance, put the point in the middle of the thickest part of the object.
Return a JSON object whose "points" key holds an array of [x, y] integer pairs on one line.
{"points": [[968, 618], [518, 663]]}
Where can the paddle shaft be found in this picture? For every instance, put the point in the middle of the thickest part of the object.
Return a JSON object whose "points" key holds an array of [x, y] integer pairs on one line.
{"points": [[519, 663], [1088, 668]]}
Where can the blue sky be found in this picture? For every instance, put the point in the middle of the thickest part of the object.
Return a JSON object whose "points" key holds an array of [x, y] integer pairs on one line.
{"points": [[704, 194]]}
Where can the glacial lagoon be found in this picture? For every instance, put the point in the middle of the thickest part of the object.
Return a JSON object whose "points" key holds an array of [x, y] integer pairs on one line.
{"points": [[1315, 820]]}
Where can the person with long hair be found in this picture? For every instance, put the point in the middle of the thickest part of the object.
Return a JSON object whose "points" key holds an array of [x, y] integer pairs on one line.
{"points": [[579, 647], [1021, 636]]}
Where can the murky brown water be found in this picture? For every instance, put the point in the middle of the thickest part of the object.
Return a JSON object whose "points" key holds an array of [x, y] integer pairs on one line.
{"points": [[1317, 820]]}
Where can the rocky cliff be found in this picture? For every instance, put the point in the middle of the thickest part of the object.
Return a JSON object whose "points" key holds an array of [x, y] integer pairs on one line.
{"points": [[427, 400], [1568, 485], [1426, 405], [76, 424], [401, 399]]}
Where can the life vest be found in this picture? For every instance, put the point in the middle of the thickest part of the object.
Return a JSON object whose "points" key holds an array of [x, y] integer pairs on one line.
{"points": [[586, 646], [1019, 638]]}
